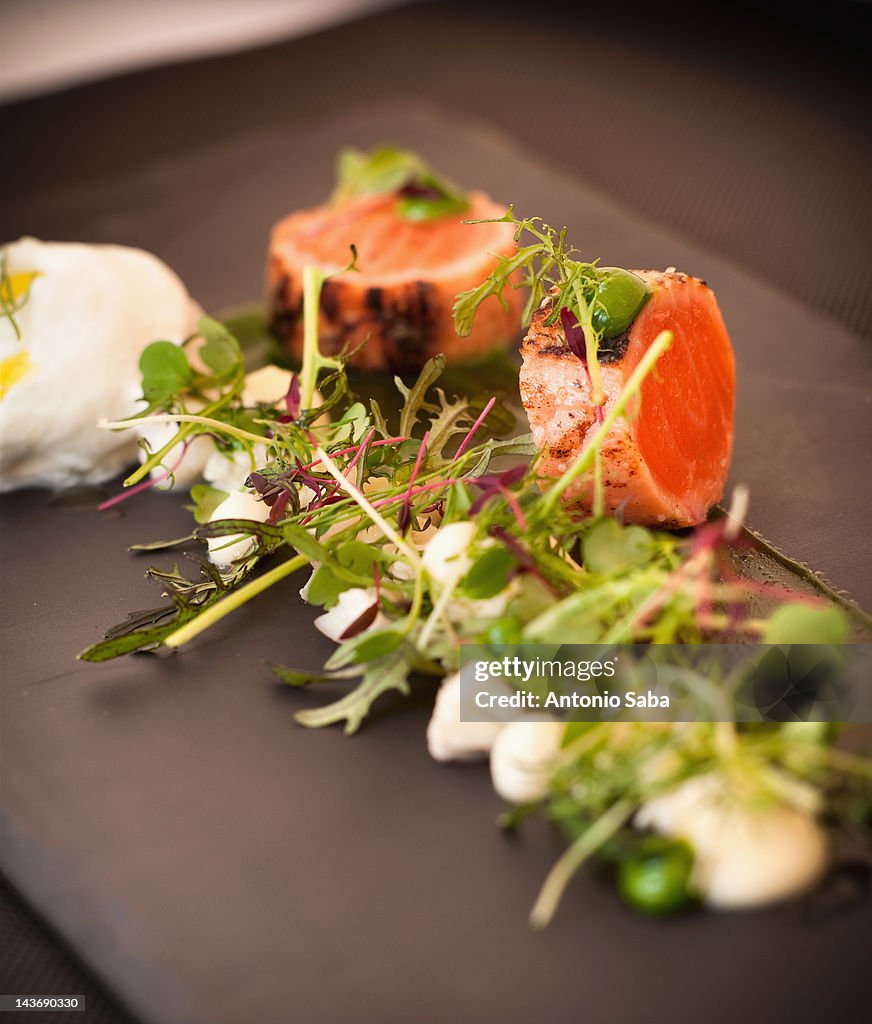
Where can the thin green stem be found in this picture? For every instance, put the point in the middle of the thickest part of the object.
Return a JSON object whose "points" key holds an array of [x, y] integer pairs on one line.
{"points": [[560, 875], [313, 279], [417, 601], [184, 417], [186, 429], [233, 601], [586, 457], [411, 555]]}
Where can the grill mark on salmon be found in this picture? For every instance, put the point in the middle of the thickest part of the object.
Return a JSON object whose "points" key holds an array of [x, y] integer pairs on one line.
{"points": [[400, 301]]}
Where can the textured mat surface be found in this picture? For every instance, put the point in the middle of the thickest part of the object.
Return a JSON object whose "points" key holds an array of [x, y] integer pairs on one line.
{"points": [[744, 127], [33, 962]]}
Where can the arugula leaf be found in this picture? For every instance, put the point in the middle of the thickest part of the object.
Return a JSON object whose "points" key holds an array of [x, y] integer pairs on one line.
{"points": [[415, 398], [381, 676]]}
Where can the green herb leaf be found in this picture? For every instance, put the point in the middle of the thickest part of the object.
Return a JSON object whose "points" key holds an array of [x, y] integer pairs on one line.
{"points": [[206, 500], [221, 351], [612, 548], [365, 647], [377, 644], [359, 557], [421, 194], [458, 502], [161, 545], [294, 677], [419, 209], [229, 527], [302, 541], [807, 624], [14, 292], [488, 575], [165, 372], [383, 170], [390, 673], [325, 587], [416, 397]]}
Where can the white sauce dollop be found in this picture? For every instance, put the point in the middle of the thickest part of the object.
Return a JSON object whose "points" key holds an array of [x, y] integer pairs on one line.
{"points": [[524, 757], [89, 314], [223, 551], [745, 855], [451, 739]]}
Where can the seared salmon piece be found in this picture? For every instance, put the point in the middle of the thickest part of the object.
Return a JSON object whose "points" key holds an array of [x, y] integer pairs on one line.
{"points": [[666, 465], [401, 296]]}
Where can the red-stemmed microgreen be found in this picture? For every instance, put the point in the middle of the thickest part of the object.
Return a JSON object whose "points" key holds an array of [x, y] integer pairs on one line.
{"points": [[464, 444], [404, 516], [157, 478], [369, 484]]}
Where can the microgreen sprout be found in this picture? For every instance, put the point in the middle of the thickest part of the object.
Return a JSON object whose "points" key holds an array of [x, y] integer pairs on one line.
{"points": [[419, 193], [589, 302], [356, 499]]}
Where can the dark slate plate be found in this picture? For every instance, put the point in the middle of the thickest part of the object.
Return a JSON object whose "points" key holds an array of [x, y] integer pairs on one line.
{"points": [[216, 863]]}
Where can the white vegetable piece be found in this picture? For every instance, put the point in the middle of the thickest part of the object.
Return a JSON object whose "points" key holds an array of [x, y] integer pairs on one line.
{"points": [[304, 590], [351, 605], [524, 758], [449, 738], [227, 472], [238, 505], [266, 386], [446, 557], [745, 855], [89, 314]]}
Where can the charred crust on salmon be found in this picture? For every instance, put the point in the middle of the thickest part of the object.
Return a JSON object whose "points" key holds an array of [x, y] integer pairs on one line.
{"points": [[285, 313], [394, 310], [612, 350], [374, 301], [331, 301], [409, 325], [548, 340]]}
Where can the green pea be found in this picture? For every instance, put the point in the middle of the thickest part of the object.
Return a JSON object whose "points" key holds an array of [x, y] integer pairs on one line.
{"points": [[619, 297], [504, 632], [656, 878]]}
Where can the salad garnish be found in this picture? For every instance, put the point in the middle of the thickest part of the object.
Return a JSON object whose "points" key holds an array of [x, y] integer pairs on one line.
{"points": [[420, 193], [432, 530], [608, 771], [593, 303]]}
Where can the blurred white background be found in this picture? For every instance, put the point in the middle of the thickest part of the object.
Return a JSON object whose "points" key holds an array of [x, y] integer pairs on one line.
{"points": [[49, 44]]}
